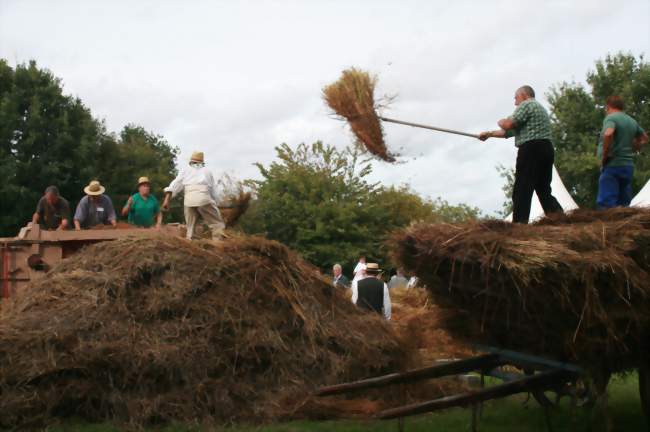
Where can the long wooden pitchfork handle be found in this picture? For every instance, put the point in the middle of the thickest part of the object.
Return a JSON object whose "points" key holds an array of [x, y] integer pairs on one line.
{"points": [[418, 125]]}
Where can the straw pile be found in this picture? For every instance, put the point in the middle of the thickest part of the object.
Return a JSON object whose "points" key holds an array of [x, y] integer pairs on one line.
{"points": [[352, 98], [421, 322], [152, 330], [573, 288]]}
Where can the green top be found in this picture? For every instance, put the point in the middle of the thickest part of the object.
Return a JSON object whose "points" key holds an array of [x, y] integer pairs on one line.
{"points": [[143, 211], [531, 122], [626, 129]]}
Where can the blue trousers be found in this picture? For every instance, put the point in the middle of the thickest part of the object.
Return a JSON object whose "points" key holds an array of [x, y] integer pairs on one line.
{"points": [[615, 187]]}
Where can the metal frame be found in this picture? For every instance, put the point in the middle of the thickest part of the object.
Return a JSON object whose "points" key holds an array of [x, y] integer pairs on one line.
{"points": [[540, 375]]}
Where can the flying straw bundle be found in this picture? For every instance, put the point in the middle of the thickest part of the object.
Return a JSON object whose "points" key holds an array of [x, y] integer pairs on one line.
{"points": [[235, 199], [352, 98], [574, 288]]}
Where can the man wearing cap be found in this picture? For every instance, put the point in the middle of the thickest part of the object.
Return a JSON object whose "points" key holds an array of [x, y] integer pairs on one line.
{"points": [[142, 208], [371, 293], [95, 208], [200, 196], [52, 210]]}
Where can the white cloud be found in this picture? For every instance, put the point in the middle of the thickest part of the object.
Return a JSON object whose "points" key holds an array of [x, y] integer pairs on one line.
{"points": [[238, 78]]}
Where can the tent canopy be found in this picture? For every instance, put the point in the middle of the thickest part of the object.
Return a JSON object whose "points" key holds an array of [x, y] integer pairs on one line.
{"points": [[642, 199]]}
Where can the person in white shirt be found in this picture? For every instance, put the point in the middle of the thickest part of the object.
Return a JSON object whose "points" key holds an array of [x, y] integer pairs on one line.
{"points": [[359, 270], [199, 188], [371, 293]]}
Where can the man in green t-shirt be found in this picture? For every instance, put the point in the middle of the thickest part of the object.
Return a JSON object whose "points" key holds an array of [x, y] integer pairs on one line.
{"points": [[621, 137], [142, 208]]}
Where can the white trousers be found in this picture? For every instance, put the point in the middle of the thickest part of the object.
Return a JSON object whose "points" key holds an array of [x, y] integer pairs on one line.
{"points": [[210, 215]]}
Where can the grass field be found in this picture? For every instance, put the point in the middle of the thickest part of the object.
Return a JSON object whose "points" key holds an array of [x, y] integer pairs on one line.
{"points": [[507, 415]]}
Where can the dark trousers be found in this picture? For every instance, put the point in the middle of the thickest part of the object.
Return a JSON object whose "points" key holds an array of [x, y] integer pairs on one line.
{"points": [[533, 173]]}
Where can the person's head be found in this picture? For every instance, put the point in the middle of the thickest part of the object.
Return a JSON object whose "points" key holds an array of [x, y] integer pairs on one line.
{"points": [[52, 194], [362, 259], [523, 93], [337, 270], [94, 190], [614, 103], [144, 187], [400, 272], [373, 270], [197, 159]]}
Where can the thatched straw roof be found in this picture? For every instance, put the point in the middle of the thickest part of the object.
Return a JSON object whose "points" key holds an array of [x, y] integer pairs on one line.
{"points": [[573, 288], [155, 330], [352, 98]]}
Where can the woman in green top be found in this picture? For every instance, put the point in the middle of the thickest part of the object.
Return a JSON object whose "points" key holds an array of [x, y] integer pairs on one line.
{"points": [[142, 207]]}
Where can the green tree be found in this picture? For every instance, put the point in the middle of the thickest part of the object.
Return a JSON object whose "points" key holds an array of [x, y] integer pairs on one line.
{"points": [[45, 138], [48, 138], [577, 114], [315, 199]]}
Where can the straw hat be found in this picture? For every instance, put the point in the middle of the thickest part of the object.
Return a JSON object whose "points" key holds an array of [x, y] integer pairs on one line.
{"points": [[94, 188], [143, 180], [197, 157], [373, 268]]}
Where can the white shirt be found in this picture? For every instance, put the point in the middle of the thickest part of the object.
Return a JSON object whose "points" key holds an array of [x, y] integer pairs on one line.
{"points": [[359, 271], [355, 297], [198, 185]]}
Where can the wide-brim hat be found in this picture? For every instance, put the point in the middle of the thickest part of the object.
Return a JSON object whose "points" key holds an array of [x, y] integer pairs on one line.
{"points": [[143, 180], [94, 188], [373, 268], [197, 157]]}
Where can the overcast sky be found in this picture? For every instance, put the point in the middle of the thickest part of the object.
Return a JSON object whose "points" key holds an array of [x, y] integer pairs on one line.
{"points": [[236, 78]]}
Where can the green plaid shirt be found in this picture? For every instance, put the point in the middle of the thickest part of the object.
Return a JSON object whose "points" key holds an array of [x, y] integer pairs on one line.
{"points": [[531, 122]]}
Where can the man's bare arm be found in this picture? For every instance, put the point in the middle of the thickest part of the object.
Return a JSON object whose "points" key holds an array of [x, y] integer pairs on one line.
{"points": [[640, 141], [608, 137], [492, 134]]}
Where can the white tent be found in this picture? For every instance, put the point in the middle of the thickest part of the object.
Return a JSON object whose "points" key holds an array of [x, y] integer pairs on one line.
{"points": [[560, 193], [642, 199]]}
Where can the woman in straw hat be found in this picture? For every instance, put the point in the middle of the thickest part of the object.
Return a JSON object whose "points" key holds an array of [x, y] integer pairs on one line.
{"points": [[200, 196], [371, 293], [142, 208], [95, 208]]}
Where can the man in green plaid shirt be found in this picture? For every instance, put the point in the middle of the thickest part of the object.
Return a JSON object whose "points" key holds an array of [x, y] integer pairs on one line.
{"points": [[531, 127]]}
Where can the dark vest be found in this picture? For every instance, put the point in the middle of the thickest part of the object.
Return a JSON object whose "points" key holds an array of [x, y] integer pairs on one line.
{"points": [[371, 294]]}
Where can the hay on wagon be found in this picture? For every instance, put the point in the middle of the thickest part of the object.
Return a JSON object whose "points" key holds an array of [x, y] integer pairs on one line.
{"points": [[145, 331], [573, 288]]}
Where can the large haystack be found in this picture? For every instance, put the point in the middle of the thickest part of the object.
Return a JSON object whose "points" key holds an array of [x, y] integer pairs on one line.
{"points": [[153, 330], [573, 288]]}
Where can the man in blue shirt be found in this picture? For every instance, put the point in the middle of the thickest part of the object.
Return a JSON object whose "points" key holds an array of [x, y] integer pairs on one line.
{"points": [[95, 208]]}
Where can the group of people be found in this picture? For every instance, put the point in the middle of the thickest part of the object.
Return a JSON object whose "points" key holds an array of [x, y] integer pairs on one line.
{"points": [[367, 289], [142, 208], [620, 138]]}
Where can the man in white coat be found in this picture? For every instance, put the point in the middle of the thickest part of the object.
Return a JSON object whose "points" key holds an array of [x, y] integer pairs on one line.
{"points": [[201, 198]]}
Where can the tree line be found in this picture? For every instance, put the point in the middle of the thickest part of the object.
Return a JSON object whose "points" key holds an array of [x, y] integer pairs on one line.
{"points": [[48, 138]]}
